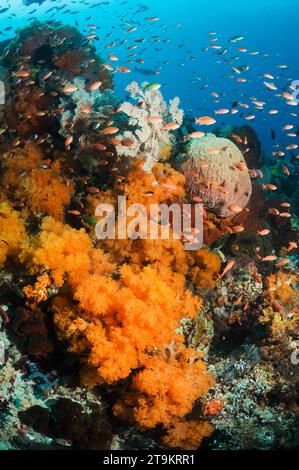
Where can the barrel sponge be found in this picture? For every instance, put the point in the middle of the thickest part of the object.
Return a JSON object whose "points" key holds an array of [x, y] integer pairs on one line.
{"points": [[216, 171]]}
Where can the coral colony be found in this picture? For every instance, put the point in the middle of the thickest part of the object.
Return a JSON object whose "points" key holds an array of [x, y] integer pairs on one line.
{"points": [[135, 342]]}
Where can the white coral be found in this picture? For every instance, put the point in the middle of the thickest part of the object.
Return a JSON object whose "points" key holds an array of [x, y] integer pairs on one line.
{"points": [[146, 120], [99, 102]]}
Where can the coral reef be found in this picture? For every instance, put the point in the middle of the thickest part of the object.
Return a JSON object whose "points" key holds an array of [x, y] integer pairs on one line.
{"points": [[132, 342]]}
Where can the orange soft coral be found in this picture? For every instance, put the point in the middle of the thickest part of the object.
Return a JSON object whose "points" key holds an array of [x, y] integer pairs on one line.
{"points": [[282, 288], [121, 311], [282, 314], [12, 232], [204, 268], [158, 186], [38, 292], [128, 319], [37, 182], [165, 389], [187, 435], [64, 251]]}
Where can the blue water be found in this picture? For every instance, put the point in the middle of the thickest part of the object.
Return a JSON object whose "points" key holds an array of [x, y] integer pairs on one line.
{"points": [[173, 45]]}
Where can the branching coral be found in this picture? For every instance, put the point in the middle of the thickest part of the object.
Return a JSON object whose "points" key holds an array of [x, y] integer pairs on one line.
{"points": [[147, 119], [37, 182]]}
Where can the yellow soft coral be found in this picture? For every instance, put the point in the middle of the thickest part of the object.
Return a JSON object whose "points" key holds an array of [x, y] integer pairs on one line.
{"points": [[37, 182], [12, 232]]}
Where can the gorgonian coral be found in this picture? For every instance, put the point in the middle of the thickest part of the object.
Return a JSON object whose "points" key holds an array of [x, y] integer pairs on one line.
{"points": [[148, 121]]}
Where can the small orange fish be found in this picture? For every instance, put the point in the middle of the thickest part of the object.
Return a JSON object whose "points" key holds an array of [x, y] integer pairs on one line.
{"points": [[196, 135], [22, 73], [169, 186], [287, 127], [92, 190], [170, 126], [95, 86], [124, 69], [205, 121], [238, 228], [241, 166], [227, 268], [108, 67], [269, 258], [292, 246], [157, 119], [285, 214], [110, 130], [287, 96], [127, 142], [86, 109], [235, 208], [69, 89], [68, 142], [263, 232], [269, 187], [270, 85], [196, 199], [99, 146], [74, 212], [222, 111], [237, 138], [273, 211], [282, 262]]}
